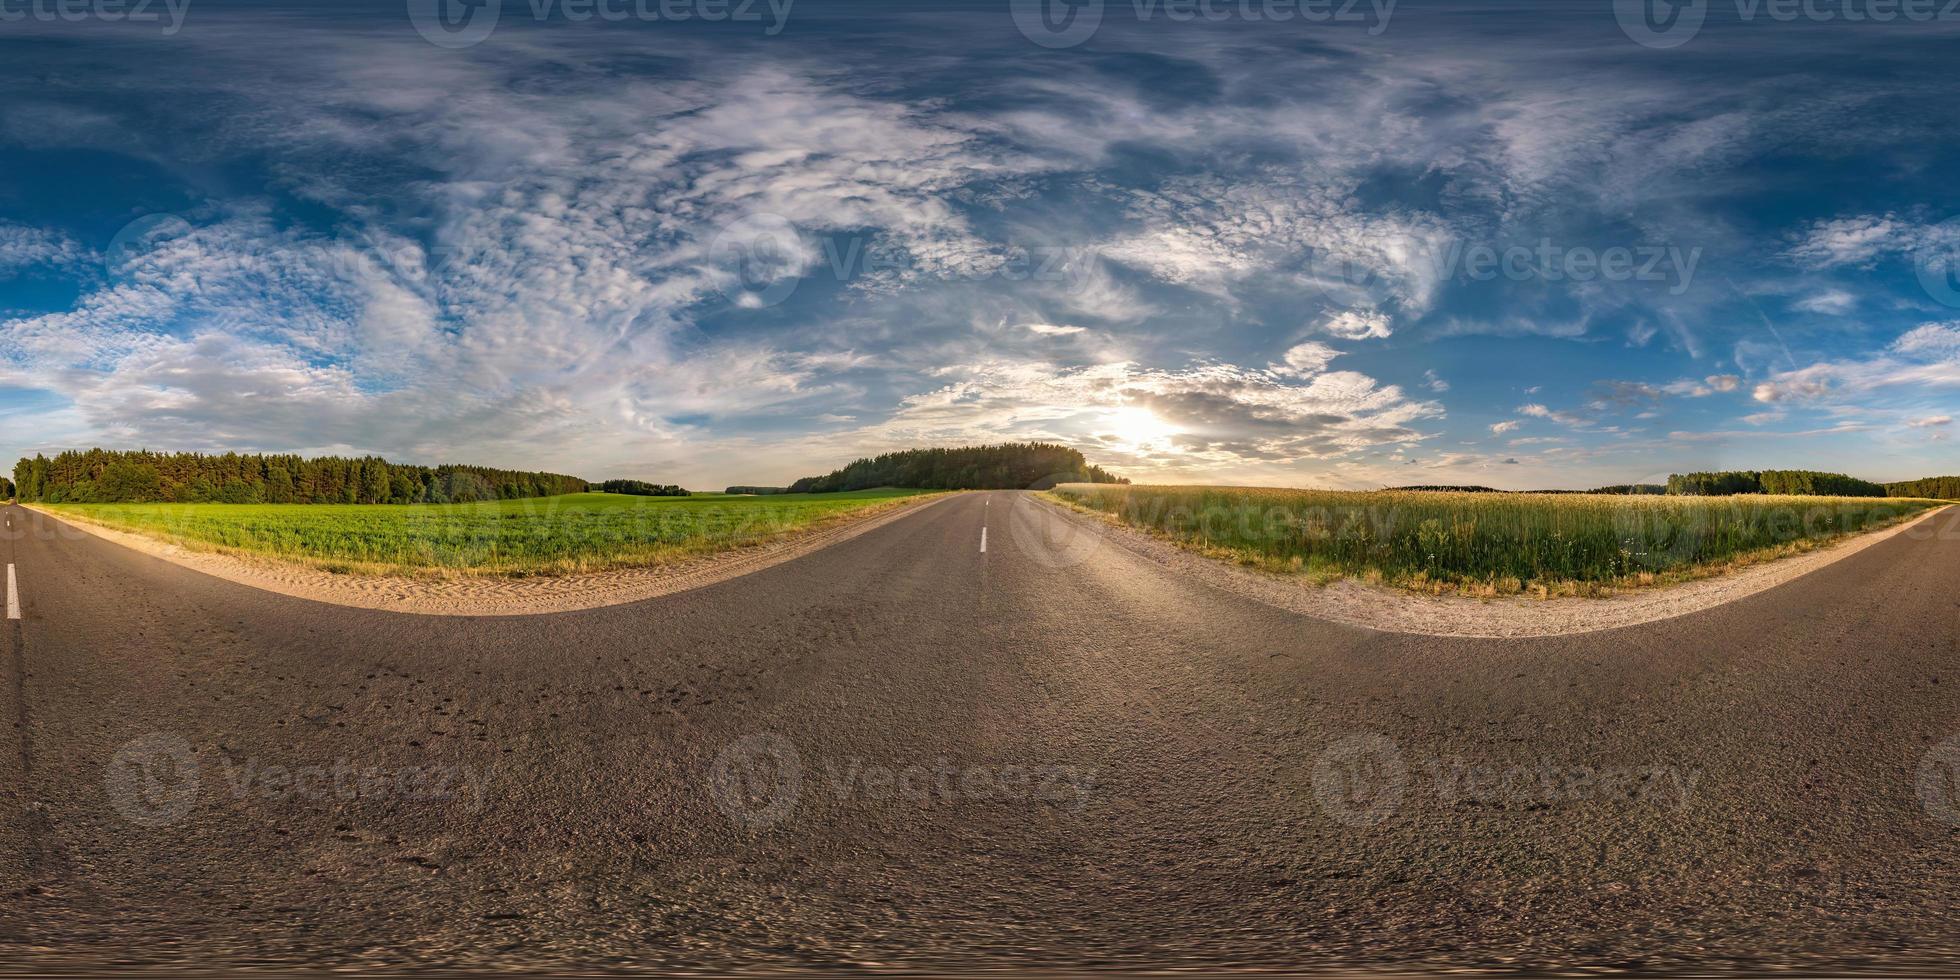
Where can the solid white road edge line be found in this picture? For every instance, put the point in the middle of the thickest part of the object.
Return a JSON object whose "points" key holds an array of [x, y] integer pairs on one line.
{"points": [[13, 594]]}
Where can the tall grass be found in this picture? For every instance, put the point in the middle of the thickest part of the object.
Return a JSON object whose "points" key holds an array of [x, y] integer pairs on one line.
{"points": [[573, 532], [1487, 542]]}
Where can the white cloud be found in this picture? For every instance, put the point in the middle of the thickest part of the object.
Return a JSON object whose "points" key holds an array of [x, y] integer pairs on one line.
{"points": [[23, 247], [1212, 234], [1307, 358], [1926, 356], [1806, 385], [1830, 302], [1053, 329], [1537, 411], [1499, 428], [1850, 241], [1858, 242], [1433, 382], [1931, 421], [1357, 324], [1935, 341]]}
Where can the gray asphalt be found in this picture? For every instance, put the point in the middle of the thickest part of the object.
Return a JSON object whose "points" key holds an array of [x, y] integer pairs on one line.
{"points": [[902, 752]]}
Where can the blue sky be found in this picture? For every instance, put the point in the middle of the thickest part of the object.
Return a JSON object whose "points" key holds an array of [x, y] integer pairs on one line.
{"points": [[1421, 242]]}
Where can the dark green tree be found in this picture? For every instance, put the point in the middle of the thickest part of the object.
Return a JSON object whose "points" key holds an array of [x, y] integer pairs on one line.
{"points": [[1016, 466], [142, 476]]}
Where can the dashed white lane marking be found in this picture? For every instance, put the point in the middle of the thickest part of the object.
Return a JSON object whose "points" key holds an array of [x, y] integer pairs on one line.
{"points": [[983, 541], [13, 594]]}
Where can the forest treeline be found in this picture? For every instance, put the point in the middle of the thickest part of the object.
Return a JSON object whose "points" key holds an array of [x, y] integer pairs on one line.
{"points": [[1010, 466], [1935, 487], [105, 476], [641, 488], [1807, 483], [1798, 482]]}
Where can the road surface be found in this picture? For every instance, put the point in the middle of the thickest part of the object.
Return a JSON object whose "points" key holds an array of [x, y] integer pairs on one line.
{"points": [[904, 751]]}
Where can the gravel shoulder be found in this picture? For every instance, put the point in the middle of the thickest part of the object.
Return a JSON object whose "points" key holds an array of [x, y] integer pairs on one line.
{"points": [[1396, 611], [492, 595], [1347, 602]]}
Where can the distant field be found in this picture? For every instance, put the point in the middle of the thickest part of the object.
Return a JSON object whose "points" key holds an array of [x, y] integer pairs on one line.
{"points": [[546, 535], [1488, 543]]}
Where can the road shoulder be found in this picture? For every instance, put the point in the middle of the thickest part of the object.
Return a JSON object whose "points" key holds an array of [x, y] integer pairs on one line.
{"points": [[1395, 611], [497, 595]]}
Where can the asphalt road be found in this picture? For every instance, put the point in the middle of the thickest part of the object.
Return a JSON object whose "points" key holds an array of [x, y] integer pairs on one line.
{"points": [[903, 751]]}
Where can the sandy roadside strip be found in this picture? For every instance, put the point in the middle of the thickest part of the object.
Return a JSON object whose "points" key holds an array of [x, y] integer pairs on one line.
{"points": [[496, 595], [1395, 611]]}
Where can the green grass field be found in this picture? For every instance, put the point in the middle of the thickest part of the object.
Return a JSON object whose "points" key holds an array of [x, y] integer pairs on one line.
{"points": [[545, 535], [1488, 543]]}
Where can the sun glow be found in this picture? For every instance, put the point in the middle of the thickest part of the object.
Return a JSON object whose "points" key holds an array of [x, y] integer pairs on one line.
{"points": [[1137, 428]]}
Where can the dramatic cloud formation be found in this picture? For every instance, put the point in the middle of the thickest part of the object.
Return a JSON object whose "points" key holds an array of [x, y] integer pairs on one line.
{"points": [[695, 255]]}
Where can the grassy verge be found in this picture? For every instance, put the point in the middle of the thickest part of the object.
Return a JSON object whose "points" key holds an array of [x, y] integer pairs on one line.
{"points": [[1488, 543], [547, 535]]}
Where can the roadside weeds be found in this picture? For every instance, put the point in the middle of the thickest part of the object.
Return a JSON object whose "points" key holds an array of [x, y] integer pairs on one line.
{"points": [[1377, 606]]}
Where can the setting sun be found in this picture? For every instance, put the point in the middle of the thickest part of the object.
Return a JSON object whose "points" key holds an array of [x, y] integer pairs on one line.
{"points": [[1138, 427]]}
